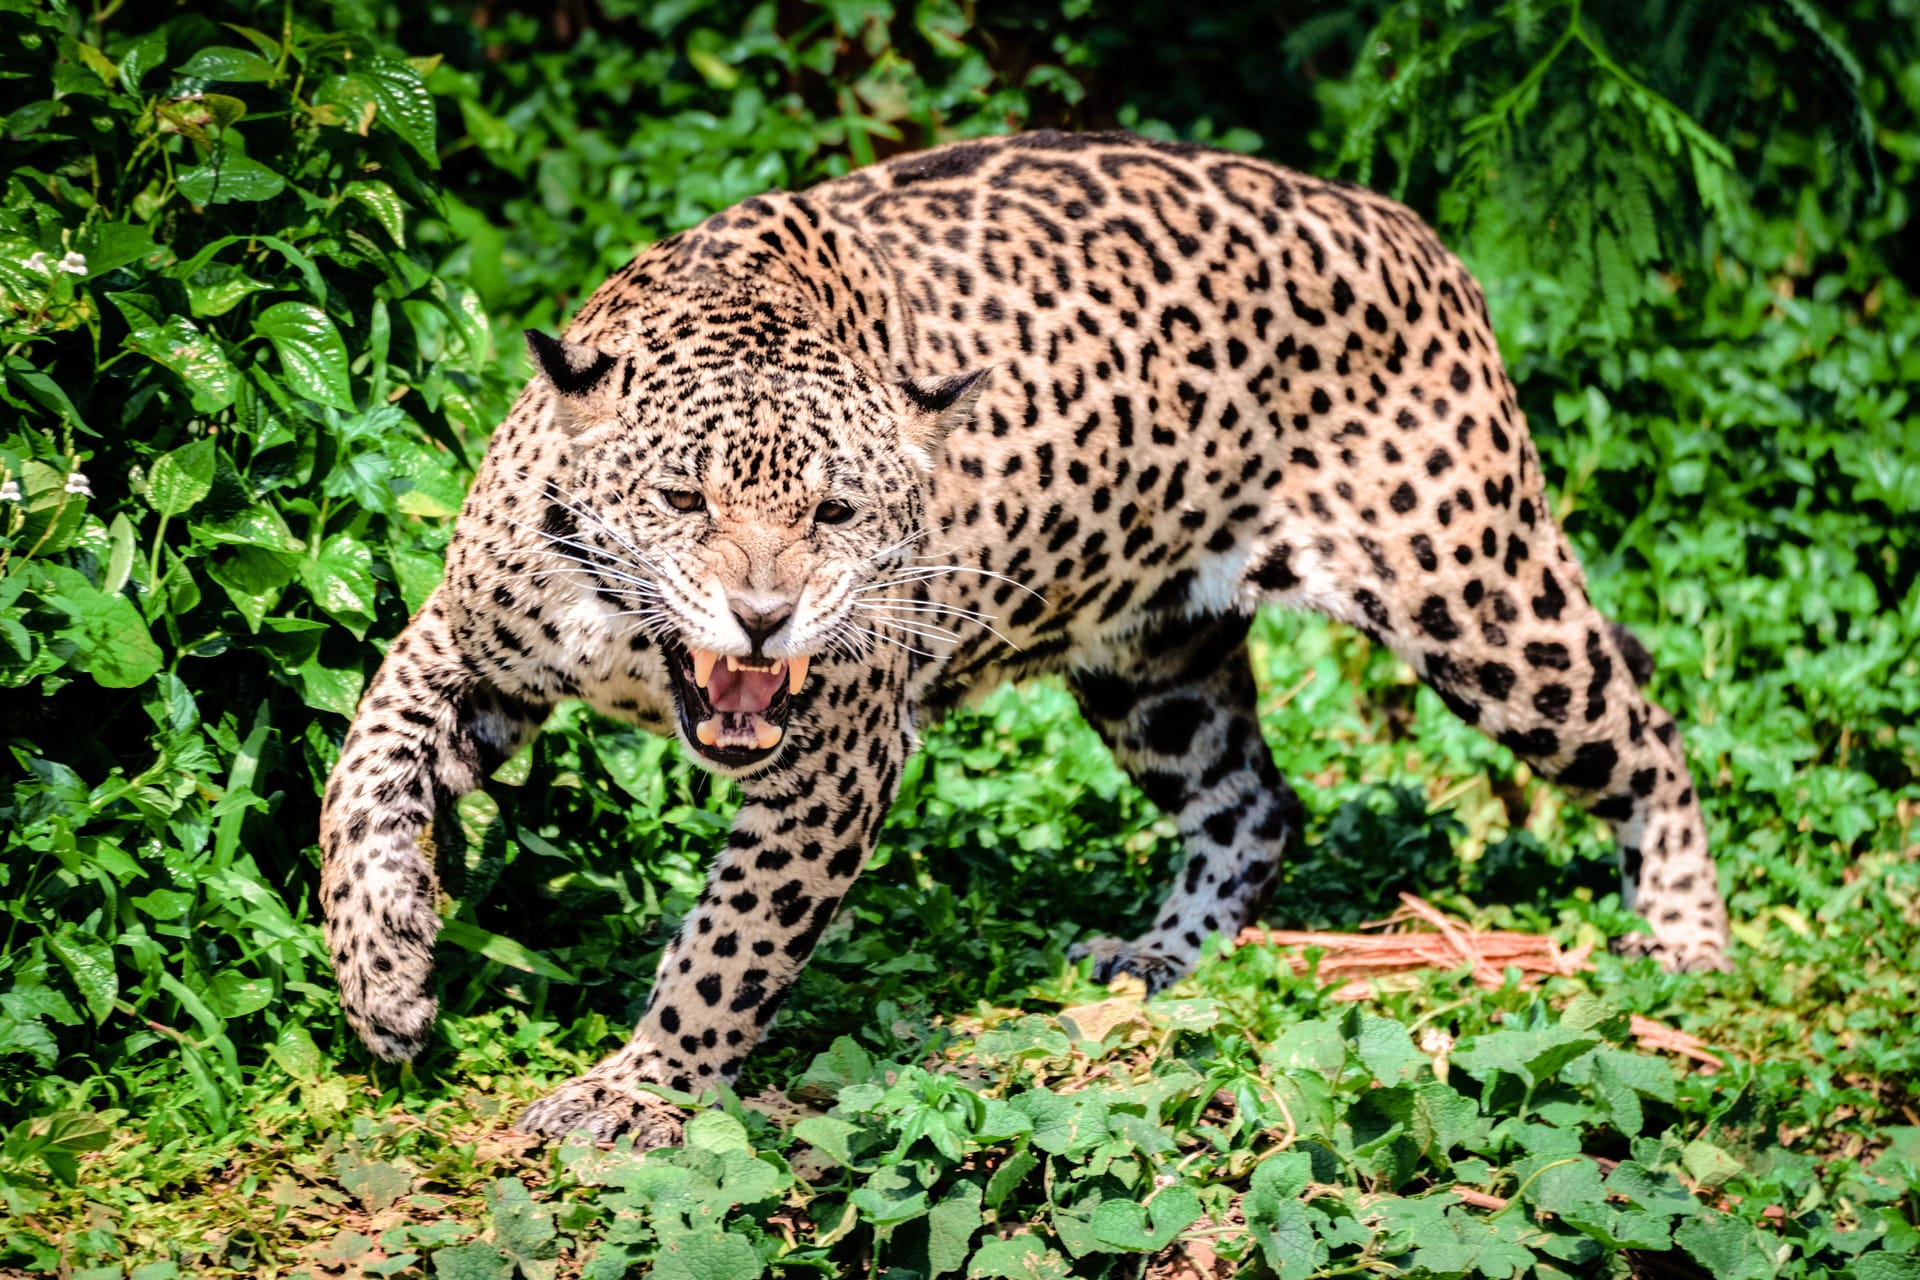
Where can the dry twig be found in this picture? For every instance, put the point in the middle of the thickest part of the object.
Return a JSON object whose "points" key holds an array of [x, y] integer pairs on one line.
{"points": [[1421, 936]]}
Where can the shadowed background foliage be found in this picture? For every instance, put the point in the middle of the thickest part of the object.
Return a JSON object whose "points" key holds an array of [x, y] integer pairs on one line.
{"points": [[261, 271]]}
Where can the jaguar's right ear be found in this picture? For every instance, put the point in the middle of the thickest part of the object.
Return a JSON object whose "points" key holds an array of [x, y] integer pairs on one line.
{"points": [[582, 377]]}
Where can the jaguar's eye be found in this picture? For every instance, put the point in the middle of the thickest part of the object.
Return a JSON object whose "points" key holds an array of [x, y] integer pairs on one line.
{"points": [[833, 511], [684, 500]]}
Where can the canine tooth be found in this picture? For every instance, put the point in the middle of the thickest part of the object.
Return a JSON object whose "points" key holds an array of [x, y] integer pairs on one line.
{"points": [[708, 731], [766, 735], [703, 660], [797, 673]]}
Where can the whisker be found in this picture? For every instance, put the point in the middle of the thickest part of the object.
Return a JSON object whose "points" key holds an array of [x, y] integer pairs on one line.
{"points": [[586, 567], [915, 536], [936, 609], [923, 573], [925, 631], [907, 604], [898, 644]]}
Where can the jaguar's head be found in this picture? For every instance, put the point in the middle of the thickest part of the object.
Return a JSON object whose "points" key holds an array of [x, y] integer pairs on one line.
{"points": [[751, 499]]}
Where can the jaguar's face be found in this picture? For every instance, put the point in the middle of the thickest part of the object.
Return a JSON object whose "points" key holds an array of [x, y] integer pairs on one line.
{"points": [[749, 515]]}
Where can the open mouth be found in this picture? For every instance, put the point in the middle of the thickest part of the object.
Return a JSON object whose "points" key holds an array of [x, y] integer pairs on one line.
{"points": [[735, 709]]}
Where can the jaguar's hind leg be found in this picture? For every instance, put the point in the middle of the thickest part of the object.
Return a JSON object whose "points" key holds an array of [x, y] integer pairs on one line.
{"points": [[1534, 664], [1180, 717]]}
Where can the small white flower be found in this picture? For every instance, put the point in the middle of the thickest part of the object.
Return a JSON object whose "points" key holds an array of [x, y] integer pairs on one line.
{"points": [[78, 483], [10, 491], [38, 262], [1382, 49], [1435, 1042], [74, 264]]}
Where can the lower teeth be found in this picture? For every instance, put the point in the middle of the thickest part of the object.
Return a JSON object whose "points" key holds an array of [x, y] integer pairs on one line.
{"points": [[765, 736]]}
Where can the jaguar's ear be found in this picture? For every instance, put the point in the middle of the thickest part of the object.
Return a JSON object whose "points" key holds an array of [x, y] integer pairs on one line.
{"points": [[582, 376], [935, 406]]}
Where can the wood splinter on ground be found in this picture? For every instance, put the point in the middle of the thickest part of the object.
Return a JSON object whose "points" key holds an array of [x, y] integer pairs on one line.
{"points": [[1421, 936]]}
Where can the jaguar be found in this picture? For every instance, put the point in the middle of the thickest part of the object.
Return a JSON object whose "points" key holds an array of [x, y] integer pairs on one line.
{"points": [[803, 478]]}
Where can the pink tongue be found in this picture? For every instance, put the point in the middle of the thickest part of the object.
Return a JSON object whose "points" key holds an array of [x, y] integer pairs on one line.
{"points": [[743, 690]]}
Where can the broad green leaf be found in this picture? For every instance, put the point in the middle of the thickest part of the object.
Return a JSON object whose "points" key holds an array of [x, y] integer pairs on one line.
{"points": [[708, 1255], [1034, 1036], [716, 1131], [165, 904], [97, 62], [194, 356], [59, 1138], [349, 101], [375, 1183], [54, 516], [472, 1261], [405, 106], [335, 689], [1619, 1228], [1560, 1183], [223, 110], [340, 579], [192, 267], [1126, 1224], [1727, 1247], [1277, 1220], [892, 1195], [1008, 1177], [1018, 1257], [253, 580], [1310, 1046], [258, 525], [269, 48], [224, 62], [523, 1228], [110, 245], [1065, 1124], [145, 54], [235, 994], [311, 351], [844, 1063], [380, 200], [1534, 1056], [293, 1048], [950, 1228], [416, 573], [230, 178], [90, 962], [504, 950], [41, 389], [109, 637], [1650, 1191], [1387, 1050], [1709, 1165], [180, 478], [830, 1137], [221, 296], [119, 566]]}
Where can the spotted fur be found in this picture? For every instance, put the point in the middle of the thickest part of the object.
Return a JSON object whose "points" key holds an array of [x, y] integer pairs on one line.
{"points": [[1051, 403]]}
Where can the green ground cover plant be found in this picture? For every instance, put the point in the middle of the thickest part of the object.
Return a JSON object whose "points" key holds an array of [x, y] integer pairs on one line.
{"points": [[262, 270]]}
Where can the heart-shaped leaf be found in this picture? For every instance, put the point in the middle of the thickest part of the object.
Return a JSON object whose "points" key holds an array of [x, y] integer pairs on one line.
{"points": [[311, 351]]}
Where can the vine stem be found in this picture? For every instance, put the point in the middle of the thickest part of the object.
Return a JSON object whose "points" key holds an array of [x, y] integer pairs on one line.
{"points": [[1521, 1190]]}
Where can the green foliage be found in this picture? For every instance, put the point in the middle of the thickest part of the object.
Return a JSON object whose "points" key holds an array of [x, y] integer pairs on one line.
{"points": [[260, 270], [236, 391]]}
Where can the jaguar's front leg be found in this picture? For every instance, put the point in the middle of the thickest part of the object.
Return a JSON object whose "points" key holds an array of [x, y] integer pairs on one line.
{"points": [[806, 827]]}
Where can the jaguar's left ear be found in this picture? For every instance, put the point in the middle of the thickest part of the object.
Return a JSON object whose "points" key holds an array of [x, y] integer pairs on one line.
{"points": [[581, 375], [936, 405]]}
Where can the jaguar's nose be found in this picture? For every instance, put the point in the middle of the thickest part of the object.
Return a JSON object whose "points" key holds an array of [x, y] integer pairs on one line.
{"points": [[760, 621]]}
